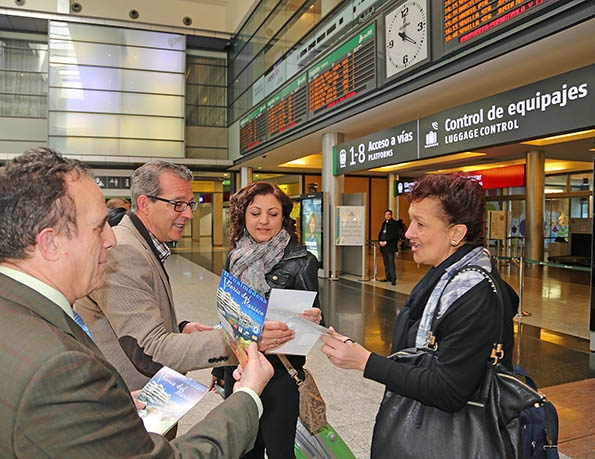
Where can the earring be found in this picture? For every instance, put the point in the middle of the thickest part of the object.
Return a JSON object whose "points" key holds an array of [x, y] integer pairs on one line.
{"points": [[453, 243]]}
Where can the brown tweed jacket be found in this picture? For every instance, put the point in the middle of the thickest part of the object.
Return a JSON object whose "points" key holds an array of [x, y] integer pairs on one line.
{"points": [[61, 398], [133, 320]]}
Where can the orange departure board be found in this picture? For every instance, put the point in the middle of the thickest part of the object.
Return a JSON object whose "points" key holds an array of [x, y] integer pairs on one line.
{"points": [[253, 128], [466, 20], [348, 71], [289, 107]]}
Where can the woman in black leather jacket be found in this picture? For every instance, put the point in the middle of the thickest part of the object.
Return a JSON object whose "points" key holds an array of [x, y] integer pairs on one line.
{"points": [[265, 254]]}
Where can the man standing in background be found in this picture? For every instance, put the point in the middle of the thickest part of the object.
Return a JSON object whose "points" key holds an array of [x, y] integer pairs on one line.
{"points": [[388, 239]]}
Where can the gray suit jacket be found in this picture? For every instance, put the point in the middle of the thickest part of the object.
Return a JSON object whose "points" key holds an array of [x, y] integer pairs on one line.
{"points": [[133, 320], [60, 397]]}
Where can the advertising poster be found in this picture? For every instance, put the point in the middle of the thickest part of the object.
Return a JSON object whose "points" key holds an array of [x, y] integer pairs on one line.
{"points": [[312, 225], [351, 225]]}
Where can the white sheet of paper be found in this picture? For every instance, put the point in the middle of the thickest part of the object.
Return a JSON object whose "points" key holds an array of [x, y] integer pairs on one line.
{"points": [[284, 306]]}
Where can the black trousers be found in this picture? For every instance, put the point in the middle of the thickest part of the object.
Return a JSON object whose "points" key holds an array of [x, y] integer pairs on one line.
{"points": [[276, 432], [388, 257]]}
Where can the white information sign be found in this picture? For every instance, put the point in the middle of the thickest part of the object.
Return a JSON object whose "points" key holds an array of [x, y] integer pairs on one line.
{"points": [[351, 225]]}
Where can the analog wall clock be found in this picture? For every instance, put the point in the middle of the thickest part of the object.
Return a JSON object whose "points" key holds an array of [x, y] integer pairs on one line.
{"points": [[406, 36]]}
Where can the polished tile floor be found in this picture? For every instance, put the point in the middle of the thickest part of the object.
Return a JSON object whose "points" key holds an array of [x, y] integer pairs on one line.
{"points": [[558, 361]]}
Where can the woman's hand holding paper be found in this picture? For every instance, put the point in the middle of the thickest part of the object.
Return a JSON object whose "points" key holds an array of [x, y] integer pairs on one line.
{"points": [[274, 334], [314, 315]]}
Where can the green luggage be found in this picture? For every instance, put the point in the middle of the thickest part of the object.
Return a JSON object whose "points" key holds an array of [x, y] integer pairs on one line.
{"points": [[325, 444]]}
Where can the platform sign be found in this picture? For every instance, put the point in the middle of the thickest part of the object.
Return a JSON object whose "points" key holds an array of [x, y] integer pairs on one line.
{"points": [[391, 146], [348, 71], [467, 21]]}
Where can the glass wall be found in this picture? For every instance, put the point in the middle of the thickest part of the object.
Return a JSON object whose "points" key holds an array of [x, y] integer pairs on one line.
{"points": [[206, 91], [23, 78], [274, 28], [115, 91]]}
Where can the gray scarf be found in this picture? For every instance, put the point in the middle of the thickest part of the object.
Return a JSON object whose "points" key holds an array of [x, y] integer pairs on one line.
{"points": [[251, 260], [443, 297]]}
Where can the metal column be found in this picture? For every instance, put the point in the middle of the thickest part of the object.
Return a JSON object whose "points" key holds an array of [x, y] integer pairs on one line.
{"points": [[332, 186]]}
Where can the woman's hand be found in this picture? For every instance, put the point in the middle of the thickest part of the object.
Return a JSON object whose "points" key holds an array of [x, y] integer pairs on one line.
{"points": [[343, 352], [314, 315], [274, 334]]}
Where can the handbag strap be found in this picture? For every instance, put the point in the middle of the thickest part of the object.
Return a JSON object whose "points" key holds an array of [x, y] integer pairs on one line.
{"points": [[289, 367], [497, 349]]}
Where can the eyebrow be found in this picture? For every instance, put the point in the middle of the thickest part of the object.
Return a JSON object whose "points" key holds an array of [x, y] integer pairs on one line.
{"points": [[102, 222], [270, 208]]}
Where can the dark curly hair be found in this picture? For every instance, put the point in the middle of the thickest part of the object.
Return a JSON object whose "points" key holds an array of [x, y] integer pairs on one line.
{"points": [[34, 196], [242, 199], [462, 198]]}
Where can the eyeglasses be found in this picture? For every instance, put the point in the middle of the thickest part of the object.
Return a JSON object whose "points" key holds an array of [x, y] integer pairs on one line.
{"points": [[179, 206]]}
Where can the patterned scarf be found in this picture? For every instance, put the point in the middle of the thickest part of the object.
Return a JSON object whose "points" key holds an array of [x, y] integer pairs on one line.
{"points": [[443, 299], [251, 260]]}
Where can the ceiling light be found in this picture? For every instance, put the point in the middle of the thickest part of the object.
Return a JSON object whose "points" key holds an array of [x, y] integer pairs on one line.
{"points": [[424, 162], [310, 161], [562, 138]]}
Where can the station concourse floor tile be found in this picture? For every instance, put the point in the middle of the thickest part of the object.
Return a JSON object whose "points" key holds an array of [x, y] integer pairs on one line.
{"points": [[575, 403]]}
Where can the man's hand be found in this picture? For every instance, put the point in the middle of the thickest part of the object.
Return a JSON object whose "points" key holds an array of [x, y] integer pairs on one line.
{"points": [[192, 327], [137, 404], [274, 334], [343, 352], [382, 243], [216, 380], [257, 373], [314, 315]]}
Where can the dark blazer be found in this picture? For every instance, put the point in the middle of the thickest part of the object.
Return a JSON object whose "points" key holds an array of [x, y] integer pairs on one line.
{"points": [[391, 235], [61, 397]]}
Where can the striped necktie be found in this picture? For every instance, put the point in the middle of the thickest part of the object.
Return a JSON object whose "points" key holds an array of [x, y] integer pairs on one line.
{"points": [[81, 323]]}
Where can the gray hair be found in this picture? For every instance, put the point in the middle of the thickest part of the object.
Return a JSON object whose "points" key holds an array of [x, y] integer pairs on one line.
{"points": [[145, 180], [33, 195]]}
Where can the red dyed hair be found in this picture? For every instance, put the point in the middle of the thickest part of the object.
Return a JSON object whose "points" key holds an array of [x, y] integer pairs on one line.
{"points": [[462, 198]]}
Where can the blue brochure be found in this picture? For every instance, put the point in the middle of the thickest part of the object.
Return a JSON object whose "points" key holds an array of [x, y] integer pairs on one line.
{"points": [[169, 395], [241, 311]]}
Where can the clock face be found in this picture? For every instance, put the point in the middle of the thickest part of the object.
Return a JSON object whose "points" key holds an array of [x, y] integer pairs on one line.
{"points": [[406, 36]]}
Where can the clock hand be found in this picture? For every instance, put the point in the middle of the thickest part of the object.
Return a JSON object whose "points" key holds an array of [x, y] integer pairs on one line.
{"points": [[405, 37]]}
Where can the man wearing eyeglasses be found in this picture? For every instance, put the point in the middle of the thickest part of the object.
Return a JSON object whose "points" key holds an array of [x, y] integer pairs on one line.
{"points": [[132, 317]]}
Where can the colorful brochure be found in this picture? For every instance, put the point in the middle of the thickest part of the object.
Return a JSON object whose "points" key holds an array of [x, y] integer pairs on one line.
{"points": [[169, 395], [241, 311]]}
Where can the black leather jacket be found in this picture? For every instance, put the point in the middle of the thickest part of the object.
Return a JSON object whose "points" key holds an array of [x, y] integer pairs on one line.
{"points": [[297, 270]]}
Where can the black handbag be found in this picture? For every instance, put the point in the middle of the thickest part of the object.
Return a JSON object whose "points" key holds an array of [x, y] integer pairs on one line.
{"points": [[488, 426]]}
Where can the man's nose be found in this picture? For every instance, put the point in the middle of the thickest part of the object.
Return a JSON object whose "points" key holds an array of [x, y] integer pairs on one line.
{"points": [[110, 237], [188, 213]]}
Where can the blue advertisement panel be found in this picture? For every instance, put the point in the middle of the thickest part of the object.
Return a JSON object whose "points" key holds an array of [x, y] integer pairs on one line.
{"points": [[312, 224]]}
